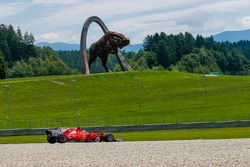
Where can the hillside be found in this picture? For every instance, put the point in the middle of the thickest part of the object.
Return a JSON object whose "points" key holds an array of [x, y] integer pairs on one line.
{"points": [[233, 36], [123, 98]]}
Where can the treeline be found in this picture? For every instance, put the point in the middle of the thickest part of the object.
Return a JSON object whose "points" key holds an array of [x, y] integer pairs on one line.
{"points": [[72, 58], [47, 63], [243, 46], [183, 52], [20, 58], [15, 46]]}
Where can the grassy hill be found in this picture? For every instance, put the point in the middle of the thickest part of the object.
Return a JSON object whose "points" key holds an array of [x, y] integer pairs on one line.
{"points": [[122, 98]]}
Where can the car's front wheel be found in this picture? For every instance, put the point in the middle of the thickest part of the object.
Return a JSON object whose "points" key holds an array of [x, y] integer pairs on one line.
{"points": [[109, 138]]}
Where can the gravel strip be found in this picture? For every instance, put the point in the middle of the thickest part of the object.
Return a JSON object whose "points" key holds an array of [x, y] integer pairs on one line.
{"points": [[160, 153]]}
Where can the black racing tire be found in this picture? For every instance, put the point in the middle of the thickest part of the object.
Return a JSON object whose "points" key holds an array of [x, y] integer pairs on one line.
{"points": [[61, 138], [51, 141], [109, 138]]}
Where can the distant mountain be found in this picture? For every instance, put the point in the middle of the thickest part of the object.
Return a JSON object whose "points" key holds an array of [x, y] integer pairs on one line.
{"points": [[133, 48], [60, 46], [233, 36]]}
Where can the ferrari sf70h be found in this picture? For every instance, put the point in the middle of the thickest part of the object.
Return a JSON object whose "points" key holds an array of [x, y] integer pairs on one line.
{"points": [[77, 135]]}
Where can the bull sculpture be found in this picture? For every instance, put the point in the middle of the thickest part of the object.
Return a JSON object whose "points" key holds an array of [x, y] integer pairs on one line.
{"points": [[107, 44]]}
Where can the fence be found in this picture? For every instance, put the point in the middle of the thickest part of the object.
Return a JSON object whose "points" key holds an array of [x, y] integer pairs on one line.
{"points": [[124, 99]]}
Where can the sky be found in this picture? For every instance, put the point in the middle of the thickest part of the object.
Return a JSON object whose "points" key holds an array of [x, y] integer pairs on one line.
{"points": [[62, 20]]}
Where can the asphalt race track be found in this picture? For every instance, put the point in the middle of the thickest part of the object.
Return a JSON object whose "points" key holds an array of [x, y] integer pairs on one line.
{"points": [[163, 153]]}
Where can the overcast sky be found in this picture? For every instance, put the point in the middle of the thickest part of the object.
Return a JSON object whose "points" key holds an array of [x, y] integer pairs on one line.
{"points": [[62, 20]]}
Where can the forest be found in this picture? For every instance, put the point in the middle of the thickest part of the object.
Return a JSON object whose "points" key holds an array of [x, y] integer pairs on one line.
{"points": [[183, 52], [19, 57]]}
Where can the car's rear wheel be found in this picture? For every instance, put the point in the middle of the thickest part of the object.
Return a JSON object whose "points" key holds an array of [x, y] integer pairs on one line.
{"points": [[51, 141], [109, 138], [61, 138]]}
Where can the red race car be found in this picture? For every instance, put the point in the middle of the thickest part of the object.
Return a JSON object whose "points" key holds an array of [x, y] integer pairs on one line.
{"points": [[77, 134]]}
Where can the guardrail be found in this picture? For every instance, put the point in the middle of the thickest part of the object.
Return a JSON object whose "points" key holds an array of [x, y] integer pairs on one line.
{"points": [[133, 128]]}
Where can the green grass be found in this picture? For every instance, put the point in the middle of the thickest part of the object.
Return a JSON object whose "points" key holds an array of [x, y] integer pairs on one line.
{"points": [[122, 98], [223, 133], [220, 133], [23, 139]]}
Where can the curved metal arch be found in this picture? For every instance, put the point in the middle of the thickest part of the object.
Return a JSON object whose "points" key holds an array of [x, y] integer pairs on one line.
{"points": [[83, 46]]}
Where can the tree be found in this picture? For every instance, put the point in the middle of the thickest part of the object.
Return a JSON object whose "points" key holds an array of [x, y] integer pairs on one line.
{"points": [[189, 44], [236, 61], [48, 63], [28, 38], [19, 34], [149, 58], [201, 61], [200, 42], [21, 69], [210, 43], [180, 43], [140, 64], [2, 66]]}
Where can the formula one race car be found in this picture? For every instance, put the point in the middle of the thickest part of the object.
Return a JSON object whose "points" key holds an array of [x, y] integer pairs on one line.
{"points": [[77, 134]]}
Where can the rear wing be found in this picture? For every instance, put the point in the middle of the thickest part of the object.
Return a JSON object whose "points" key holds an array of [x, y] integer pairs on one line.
{"points": [[52, 132]]}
